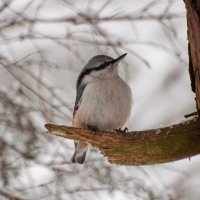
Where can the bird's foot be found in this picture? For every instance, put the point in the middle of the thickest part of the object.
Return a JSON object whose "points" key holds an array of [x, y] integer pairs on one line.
{"points": [[120, 130], [92, 128]]}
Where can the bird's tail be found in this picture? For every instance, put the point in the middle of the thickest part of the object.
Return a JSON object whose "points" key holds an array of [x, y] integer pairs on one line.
{"points": [[80, 151]]}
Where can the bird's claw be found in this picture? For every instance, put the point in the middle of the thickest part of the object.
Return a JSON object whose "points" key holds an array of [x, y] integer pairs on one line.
{"points": [[125, 130]]}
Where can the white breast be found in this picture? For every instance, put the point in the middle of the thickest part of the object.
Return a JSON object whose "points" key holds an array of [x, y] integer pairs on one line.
{"points": [[106, 104]]}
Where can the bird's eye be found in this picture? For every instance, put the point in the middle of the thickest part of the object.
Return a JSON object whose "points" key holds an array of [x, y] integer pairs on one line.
{"points": [[109, 66]]}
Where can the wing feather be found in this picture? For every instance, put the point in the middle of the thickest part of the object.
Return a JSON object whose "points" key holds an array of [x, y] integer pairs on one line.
{"points": [[79, 94]]}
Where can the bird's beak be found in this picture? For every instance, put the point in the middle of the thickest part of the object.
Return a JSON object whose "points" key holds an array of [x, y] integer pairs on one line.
{"points": [[117, 60]]}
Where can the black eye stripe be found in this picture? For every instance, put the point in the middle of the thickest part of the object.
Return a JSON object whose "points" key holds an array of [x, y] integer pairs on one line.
{"points": [[88, 71], [103, 66]]}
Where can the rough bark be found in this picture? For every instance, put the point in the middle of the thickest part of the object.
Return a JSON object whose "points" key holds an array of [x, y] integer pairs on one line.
{"points": [[140, 147], [193, 23]]}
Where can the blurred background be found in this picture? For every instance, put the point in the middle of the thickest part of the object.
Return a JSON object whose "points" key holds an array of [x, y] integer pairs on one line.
{"points": [[43, 46]]}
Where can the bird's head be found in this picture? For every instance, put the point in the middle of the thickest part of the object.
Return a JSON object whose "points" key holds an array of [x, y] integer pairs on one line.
{"points": [[99, 67]]}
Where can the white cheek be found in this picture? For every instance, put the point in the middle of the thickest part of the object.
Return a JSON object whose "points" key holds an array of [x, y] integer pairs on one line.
{"points": [[87, 79], [104, 73], [98, 73]]}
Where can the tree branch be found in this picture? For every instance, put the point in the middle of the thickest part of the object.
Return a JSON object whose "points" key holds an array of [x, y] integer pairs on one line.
{"points": [[193, 23], [140, 147]]}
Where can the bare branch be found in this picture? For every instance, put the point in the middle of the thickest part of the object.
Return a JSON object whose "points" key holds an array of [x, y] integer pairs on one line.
{"points": [[83, 18], [140, 147]]}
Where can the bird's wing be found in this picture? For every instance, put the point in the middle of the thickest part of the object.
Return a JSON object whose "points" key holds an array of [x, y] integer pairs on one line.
{"points": [[79, 93]]}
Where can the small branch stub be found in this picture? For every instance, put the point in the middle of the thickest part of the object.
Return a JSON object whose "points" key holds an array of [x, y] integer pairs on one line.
{"points": [[140, 147]]}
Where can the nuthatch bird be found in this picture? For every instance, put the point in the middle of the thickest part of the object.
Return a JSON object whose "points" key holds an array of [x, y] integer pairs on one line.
{"points": [[103, 99]]}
